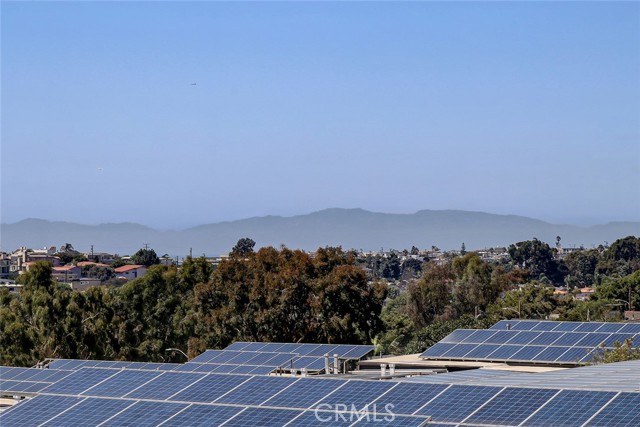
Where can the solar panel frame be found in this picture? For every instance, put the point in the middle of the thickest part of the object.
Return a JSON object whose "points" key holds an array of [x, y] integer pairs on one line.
{"points": [[122, 383]]}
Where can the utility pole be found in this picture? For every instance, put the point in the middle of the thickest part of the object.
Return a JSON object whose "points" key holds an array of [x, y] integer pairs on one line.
{"points": [[91, 252], [146, 246]]}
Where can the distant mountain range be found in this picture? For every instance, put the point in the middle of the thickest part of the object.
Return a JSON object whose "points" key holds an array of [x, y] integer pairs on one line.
{"points": [[349, 228]]}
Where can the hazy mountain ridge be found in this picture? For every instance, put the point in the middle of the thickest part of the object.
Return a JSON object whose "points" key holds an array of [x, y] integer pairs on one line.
{"points": [[350, 228]]}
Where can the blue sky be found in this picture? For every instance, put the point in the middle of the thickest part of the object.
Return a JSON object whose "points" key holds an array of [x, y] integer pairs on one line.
{"points": [[509, 107]]}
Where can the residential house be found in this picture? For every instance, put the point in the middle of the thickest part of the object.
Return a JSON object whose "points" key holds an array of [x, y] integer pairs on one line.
{"points": [[130, 272], [66, 273]]}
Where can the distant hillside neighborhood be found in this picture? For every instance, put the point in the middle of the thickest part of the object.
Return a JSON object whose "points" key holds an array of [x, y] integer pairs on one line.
{"points": [[349, 228]]}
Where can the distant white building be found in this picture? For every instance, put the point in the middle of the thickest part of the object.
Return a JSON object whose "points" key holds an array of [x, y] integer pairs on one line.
{"points": [[131, 272]]}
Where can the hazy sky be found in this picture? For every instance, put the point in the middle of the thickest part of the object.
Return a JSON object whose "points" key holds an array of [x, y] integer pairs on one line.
{"points": [[522, 108]]}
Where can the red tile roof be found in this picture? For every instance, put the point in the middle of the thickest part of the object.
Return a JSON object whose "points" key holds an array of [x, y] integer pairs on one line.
{"points": [[126, 268]]}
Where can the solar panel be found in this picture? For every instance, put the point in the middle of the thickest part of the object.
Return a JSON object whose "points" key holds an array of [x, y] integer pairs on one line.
{"points": [[89, 412], [209, 388], [457, 402], [570, 408], [304, 393], [481, 351], [121, 383], [357, 394], [33, 412], [8, 386], [80, 381], [407, 398], [165, 385], [262, 417], [256, 390], [202, 416], [621, 412], [146, 414], [511, 406], [460, 350]]}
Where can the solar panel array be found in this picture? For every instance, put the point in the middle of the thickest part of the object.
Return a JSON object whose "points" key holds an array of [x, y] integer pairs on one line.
{"points": [[28, 380], [533, 341], [98, 396]]}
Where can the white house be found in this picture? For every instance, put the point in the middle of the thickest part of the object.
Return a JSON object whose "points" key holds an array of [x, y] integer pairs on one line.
{"points": [[130, 272]]}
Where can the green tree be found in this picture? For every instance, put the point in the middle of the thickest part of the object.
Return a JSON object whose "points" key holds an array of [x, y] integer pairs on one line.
{"points": [[581, 266], [244, 247], [538, 258], [146, 257], [531, 301]]}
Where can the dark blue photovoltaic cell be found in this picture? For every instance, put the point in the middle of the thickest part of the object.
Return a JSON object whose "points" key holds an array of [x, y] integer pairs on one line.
{"points": [[304, 393], [22, 386], [524, 337], [407, 398], [526, 326], [570, 408], [145, 414], [621, 412], [205, 357], [574, 355], [544, 326], [202, 416], [481, 351], [566, 326], [457, 336], [80, 381], [90, 412], [223, 369], [306, 350], [458, 402], [527, 353], [592, 340], [546, 338], [121, 383], [631, 328], [262, 370], [256, 390], [33, 412], [358, 352], [501, 337], [167, 384], [610, 327], [512, 406], [262, 417], [209, 388], [479, 336], [460, 350], [243, 369], [550, 354], [504, 352], [437, 350], [588, 327], [357, 393], [621, 338], [568, 339]]}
